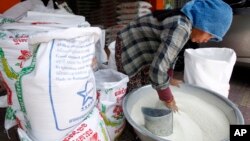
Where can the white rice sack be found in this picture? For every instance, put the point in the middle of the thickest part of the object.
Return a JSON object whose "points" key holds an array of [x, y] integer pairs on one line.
{"points": [[20, 9], [64, 20], [68, 82], [44, 95], [202, 65], [111, 88], [91, 129], [15, 54], [30, 28]]}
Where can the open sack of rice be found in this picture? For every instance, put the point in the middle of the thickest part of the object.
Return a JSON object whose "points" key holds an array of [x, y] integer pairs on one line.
{"points": [[51, 86]]}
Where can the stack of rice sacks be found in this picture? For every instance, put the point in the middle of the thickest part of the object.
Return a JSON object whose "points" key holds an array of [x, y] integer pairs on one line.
{"points": [[126, 12], [45, 62]]}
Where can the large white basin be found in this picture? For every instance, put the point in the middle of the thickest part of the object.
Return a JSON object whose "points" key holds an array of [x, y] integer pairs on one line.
{"points": [[229, 109]]}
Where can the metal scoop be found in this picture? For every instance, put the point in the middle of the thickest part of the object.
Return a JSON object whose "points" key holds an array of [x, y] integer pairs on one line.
{"points": [[158, 121]]}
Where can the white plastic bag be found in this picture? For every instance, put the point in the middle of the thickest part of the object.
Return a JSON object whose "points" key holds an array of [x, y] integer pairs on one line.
{"points": [[111, 88], [64, 93], [210, 68], [91, 129], [14, 55], [101, 56], [14, 44], [111, 61], [55, 87]]}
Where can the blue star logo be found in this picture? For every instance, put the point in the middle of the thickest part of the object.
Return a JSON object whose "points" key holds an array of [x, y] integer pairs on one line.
{"points": [[87, 100]]}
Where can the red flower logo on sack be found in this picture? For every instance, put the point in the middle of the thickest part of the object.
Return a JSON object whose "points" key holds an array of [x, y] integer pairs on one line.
{"points": [[25, 55], [94, 137], [118, 112]]}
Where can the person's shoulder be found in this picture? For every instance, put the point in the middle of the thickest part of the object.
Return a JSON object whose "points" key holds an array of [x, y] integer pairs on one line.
{"points": [[184, 20], [174, 19], [147, 17], [146, 20], [178, 20]]}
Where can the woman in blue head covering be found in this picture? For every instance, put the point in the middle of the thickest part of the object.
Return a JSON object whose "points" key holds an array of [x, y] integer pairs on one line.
{"points": [[147, 48]]}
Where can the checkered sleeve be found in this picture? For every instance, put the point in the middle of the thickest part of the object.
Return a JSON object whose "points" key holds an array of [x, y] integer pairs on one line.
{"points": [[172, 41]]}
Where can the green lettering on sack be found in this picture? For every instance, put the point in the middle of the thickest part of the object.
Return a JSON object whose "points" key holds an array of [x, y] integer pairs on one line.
{"points": [[10, 114], [27, 123], [18, 84], [6, 20], [108, 90], [11, 74]]}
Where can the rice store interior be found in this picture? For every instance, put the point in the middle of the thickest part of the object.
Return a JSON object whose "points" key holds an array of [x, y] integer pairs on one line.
{"points": [[110, 17]]}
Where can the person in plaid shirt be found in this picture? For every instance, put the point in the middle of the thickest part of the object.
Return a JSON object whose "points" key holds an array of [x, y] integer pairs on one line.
{"points": [[147, 48]]}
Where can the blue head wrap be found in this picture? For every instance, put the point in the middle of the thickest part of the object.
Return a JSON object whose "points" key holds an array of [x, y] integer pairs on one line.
{"points": [[211, 16]]}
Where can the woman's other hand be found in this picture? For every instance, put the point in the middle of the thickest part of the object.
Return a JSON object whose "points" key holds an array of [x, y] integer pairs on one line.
{"points": [[172, 105], [175, 82]]}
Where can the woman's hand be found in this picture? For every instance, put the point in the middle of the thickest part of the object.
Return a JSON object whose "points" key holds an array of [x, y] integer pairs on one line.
{"points": [[175, 82], [172, 105], [167, 97]]}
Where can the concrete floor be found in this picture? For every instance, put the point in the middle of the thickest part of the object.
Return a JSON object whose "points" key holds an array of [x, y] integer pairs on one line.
{"points": [[240, 91]]}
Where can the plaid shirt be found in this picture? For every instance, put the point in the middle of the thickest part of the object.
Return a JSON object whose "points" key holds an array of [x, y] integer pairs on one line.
{"points": [[148, 42]]}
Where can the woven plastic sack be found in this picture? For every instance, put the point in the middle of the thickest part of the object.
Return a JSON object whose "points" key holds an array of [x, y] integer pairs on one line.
{"points": [[91, 129], [55, 87], [111, 88], [210, 68], [14, 46]]}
